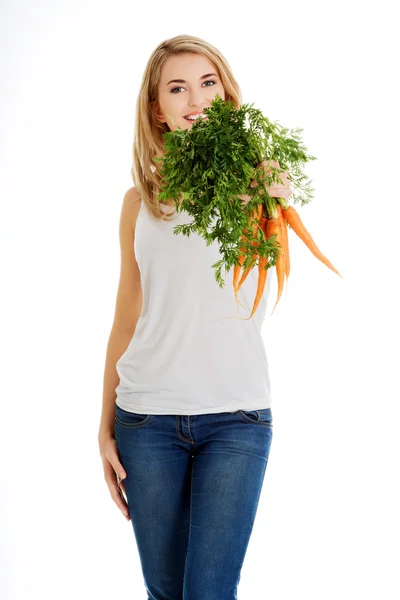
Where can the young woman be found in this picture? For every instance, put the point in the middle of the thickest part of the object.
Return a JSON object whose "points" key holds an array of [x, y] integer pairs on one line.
{"points": [[186, 423]]}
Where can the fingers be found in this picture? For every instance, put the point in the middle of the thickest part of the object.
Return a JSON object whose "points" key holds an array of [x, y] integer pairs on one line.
{"points": [[277, 189], [269, 163], [113, 474], [280, 192], [115, 490], [244, 198]]}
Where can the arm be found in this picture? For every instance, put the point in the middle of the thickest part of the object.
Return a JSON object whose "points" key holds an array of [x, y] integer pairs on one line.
{"points": [[127, 310]]}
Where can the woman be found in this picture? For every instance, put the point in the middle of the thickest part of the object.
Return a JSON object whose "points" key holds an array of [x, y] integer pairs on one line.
{"points": [[186, 423]]}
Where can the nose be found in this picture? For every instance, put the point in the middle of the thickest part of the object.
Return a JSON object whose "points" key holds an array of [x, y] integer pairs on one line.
{"points": [[197, 99]]}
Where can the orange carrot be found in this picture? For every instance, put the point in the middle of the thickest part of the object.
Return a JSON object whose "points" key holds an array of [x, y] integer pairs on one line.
{"points": [[262, 277], [262, 226], [248, 269], [236, 272], [296, 224], [274, 227], [257, 214], [262, 272], [277, 227], [285, 240]]}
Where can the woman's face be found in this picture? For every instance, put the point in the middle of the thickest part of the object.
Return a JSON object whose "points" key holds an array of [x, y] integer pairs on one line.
{"points": [[191, 93]]}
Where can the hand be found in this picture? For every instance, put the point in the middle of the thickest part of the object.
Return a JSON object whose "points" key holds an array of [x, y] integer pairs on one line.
{"points": [[277, 190], [113, 471]]}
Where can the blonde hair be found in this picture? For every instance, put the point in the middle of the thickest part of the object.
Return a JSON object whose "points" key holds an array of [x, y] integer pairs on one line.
{"points": [[148, 132]]}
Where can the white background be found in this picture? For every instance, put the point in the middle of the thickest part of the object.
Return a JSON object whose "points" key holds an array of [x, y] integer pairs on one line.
{"points": [[327, 524]]}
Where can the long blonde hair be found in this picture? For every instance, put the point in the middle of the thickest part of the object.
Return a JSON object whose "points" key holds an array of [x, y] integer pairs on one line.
{"points": [[148, 132]]}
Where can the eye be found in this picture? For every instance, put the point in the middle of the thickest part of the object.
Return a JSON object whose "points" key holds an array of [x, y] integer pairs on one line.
{"points": [[208, 81]]}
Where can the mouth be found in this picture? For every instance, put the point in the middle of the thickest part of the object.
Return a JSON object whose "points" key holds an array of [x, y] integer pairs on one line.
{"points": [[196, 116]]}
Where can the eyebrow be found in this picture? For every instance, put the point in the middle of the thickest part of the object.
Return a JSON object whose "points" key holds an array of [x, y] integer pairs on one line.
{"points": [[183, 81]]}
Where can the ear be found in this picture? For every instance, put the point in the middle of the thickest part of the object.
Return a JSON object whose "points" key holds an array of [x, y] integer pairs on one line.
{"points": [[156, 111]]}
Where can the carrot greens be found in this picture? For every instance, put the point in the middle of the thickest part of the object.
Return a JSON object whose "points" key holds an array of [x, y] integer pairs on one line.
{"points": [[205, 170], [213, 162]]}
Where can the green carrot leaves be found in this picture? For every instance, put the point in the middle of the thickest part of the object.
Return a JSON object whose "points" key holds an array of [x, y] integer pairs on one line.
{"points": [[214, 161]]}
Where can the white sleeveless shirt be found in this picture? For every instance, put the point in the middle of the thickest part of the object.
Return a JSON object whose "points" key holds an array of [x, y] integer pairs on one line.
{"points": [[182, 359]]}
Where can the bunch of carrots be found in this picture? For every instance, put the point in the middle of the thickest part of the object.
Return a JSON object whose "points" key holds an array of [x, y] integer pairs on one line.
{"points": [[210, 164], [276, 225]]}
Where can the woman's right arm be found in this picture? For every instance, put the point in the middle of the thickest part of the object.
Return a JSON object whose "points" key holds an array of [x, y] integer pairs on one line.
{"points": [[127, 311], [128, 307]]}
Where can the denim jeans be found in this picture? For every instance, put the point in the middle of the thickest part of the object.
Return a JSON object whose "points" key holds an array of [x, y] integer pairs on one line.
{"points": [[193, 485]]}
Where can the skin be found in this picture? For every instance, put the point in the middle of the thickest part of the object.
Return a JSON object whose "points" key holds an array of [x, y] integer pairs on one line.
{"points": [[175, 100]]}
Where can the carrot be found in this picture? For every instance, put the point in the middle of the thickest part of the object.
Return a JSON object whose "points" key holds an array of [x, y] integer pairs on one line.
{"points": [[275, 227], [292, 217], [262, 225], [268, 229], [248, 269], [272, 227], [236, 272], [262, 278], [286, 215], [262, 273], [285, 240], [257, 214]]}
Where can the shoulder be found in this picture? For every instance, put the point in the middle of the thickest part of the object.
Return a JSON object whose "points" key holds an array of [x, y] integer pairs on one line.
{"points": [[131, 204]]}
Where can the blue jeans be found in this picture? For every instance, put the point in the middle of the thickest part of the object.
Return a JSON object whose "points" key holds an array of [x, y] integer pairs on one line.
{"points": [[193, 485]]}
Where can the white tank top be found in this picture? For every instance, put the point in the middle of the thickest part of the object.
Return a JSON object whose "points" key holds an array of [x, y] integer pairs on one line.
{"points": [[182, 359]]}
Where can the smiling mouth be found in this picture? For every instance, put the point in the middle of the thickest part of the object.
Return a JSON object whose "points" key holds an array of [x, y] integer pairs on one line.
{"points": [[199, 116]]}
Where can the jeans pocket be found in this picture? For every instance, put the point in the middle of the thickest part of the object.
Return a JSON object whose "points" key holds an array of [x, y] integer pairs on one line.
{"points": [[259, 417], [130, 419]]}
